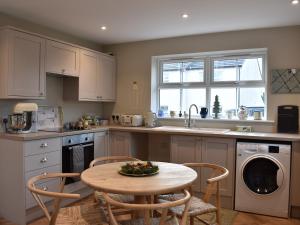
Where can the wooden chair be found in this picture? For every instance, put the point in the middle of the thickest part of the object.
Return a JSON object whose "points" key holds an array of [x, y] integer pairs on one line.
{"points": [[81, 214], [110, 159], [202, 206], [148, 208]]}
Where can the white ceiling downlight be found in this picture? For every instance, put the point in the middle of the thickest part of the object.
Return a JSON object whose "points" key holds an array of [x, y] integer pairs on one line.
{"points": [[295, 2], [185, 16]]}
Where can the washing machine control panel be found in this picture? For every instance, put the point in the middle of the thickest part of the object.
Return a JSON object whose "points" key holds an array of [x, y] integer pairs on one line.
{"points": [[262, 148]]}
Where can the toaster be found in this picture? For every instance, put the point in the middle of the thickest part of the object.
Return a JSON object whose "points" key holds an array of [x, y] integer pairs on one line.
{"points": [[131, 120]]}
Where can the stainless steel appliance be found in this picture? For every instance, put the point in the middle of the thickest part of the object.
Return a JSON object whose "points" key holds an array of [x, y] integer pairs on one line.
{"points": [[23, 119], [77, 153], [263, 177]]}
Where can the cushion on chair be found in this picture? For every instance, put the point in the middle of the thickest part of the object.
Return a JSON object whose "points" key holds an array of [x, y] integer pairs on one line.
{"points": [[154, 221], [88, 214], [198, 206], [117, 197]]}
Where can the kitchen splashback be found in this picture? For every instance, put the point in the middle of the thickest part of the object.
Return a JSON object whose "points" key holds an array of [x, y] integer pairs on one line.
{"points": [[72, 109]]}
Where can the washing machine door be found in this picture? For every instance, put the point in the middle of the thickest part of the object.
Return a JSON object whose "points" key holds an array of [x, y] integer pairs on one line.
{"points": [[262, 175]]}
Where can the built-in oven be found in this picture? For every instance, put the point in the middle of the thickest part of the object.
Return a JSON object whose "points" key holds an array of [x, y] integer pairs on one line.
{"points": [[77, 153]]}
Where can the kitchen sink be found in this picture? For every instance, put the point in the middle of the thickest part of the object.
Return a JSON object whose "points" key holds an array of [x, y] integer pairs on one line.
{"points": [[193, 129]]}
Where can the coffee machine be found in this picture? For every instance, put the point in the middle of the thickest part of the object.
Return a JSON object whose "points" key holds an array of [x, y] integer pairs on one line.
{"points": [[23, 119]]}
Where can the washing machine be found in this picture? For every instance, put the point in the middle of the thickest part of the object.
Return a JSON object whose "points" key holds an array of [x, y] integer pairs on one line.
{"points": [[263, 177]]}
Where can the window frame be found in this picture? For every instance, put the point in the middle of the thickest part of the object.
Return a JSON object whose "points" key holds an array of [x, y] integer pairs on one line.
{"points": [[208, 82]]}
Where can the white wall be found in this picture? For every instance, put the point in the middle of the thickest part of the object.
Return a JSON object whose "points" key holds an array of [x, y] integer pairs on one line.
{"points": [[134, 61]]}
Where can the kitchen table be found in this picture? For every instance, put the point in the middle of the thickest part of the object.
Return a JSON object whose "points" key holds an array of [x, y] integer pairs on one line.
{"points": [[171, 178]]}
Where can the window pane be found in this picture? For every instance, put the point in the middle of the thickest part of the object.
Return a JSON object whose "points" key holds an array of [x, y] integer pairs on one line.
{"points": [[251, 69], [227, 99], [193, 96], [253, 99], [171, 72], [225, 70], [169, 100], [193, 71]]}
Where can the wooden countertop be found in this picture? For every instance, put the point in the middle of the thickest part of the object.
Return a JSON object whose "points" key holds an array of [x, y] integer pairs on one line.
{"points": [[205, 132]]}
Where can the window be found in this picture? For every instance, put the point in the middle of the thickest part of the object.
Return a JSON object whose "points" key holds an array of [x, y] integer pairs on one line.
{"points": [[237, 77]]}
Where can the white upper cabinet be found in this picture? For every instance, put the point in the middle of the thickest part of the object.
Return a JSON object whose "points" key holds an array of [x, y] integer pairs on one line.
{"points": [[96, 77], [89, 76], [62, 58], [22, 60], [107, 78]]}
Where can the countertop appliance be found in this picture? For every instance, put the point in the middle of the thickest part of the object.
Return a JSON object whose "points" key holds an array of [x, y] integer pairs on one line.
{"points": [[288, 119], [131, 120], [77, 153], [263, 177], [23, 119]]}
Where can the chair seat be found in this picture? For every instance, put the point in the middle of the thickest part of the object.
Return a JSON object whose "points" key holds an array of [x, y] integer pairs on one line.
{"points": [[198, 206], [88, 214], [154, 221], [117, 197]]}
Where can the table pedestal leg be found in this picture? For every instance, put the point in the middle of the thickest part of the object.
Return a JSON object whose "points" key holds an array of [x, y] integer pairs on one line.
{"points": [[139, 199]]}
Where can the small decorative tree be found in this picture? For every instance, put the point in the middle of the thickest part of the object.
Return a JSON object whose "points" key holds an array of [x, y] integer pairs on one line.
{"points": [[217, 107]]}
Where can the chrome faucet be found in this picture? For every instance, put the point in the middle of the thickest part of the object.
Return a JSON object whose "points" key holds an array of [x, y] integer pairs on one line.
{"points": [[189, 121]]}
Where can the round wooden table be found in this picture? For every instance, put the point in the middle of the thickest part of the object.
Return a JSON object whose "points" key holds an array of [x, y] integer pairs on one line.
{"points": [[171, 178]]}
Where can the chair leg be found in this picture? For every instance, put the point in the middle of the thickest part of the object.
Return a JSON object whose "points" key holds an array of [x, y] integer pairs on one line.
{"points": [[96, 200], [191, 220], [218, 217]]}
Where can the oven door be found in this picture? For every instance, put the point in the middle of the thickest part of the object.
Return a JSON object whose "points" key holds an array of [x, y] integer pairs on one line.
{"points": [[76, 158]]}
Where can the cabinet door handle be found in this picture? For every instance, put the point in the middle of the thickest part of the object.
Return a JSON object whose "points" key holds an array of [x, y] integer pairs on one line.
{"points": [[41, 93], [45, 188], [44, 145], [43, 160]]}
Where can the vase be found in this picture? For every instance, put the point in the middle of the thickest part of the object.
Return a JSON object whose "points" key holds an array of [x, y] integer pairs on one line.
{"points": [[203, 112]]}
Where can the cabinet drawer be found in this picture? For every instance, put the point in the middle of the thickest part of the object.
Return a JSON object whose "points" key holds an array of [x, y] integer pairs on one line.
{"points": [[51, 169], [51, 185], [40, 161], [42, 146]]}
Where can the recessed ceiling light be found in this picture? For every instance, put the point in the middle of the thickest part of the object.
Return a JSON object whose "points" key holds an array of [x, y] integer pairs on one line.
{"points": [[103, 28], [295, 2], [185, 15]]}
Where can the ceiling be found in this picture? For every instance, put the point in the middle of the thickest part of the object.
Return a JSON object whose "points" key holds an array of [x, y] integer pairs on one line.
{"points": [[136, 20]]}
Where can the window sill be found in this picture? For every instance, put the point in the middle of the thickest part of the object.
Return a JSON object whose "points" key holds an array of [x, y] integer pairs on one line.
{"points": [[250, 121]]}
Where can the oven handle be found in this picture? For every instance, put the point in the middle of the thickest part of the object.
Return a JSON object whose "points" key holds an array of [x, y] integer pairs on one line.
{"points": [[87, 145]]}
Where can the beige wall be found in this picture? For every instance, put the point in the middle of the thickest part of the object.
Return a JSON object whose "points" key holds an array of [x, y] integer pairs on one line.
{"points": [[134, 61], [72, 109]]}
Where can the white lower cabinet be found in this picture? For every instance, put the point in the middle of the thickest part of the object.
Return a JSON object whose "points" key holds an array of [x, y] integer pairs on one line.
{"points": [[119, 143], [220, 151], [101, 144], [185, 149], [19, 161]]}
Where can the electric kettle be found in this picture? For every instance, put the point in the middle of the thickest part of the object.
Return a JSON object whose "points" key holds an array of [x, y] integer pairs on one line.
{"points": [[150, 119]]}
